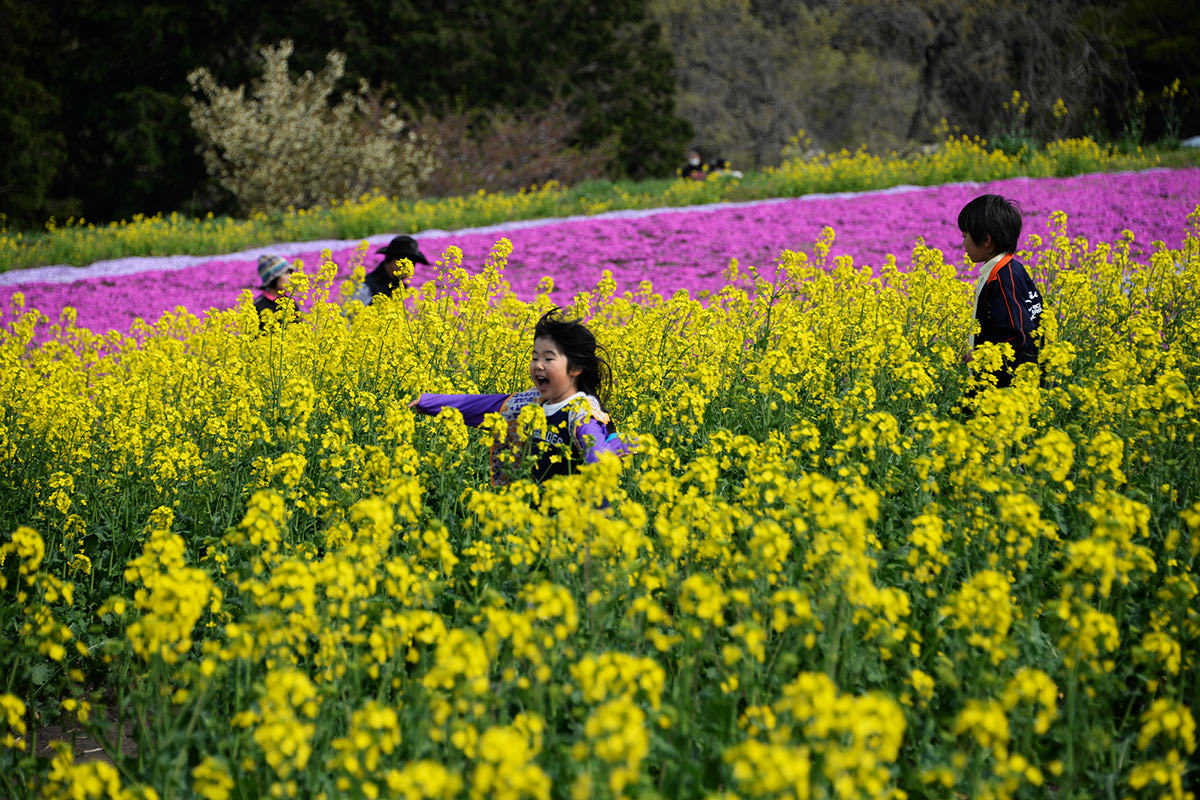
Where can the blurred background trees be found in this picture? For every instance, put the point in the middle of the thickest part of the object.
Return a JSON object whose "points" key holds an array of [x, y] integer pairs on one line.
{"points": [[897, 73], [506, 93]]}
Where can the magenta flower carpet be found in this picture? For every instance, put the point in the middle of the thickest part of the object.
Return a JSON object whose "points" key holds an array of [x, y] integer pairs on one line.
{"points": [[684, 248]]}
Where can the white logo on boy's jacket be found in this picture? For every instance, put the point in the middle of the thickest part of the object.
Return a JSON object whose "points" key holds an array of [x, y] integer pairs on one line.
{"points": [[1035, 309]]}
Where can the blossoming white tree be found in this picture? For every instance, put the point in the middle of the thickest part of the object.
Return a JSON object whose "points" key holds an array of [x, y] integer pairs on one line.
{"points": [[287, 145]]}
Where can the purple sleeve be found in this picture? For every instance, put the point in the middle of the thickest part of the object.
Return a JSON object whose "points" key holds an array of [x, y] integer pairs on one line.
{"points": [[594, 439], [473, 407]]}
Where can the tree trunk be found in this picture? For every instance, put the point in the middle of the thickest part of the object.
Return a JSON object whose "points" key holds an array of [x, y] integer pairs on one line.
{"points": [[945, 36]]}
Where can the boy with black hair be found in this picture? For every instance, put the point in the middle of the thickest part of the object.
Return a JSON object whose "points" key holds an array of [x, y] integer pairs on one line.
{"points": [[1008, 305]]}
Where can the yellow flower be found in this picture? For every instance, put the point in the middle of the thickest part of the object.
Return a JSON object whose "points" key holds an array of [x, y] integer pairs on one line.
{"points": [[985, 721], [922, 684], [504, 767], [374, 733], [92, 779], [612, 675], [617, 734], [983, 608], [14, 721], [173, 598], [1033, 686], [419, 780], [283, 732], [1170, 721], [211, 779], [771, 769], [461, 656], [28, 546]]}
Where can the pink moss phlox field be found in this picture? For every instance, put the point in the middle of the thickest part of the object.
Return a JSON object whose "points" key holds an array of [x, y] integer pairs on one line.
{"points": [[686, 248]]}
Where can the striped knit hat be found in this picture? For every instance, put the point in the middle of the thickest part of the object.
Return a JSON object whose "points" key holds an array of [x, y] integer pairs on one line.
{"points": [[271, 267]]}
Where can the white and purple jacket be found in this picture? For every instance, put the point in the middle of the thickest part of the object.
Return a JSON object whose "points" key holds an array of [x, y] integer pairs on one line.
{"points": [[577, 429]]}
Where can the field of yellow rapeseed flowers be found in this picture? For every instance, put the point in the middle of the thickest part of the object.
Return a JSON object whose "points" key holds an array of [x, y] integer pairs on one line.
{"points": [[239, 564]]}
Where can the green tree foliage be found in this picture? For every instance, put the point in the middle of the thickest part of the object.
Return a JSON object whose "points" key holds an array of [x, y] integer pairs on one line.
{"points": [[972, 56], [604, 60], [33, 150], [1155, 43], [115, 74], [751, 75]]}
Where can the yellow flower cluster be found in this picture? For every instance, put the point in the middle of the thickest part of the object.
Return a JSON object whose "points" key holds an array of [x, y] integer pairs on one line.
{"points": [[982, 607], [283, 726], [822, 574], [211, 779], [92, 780], [505, 768], [14, 721], [1172, 722], [965, 158], [173, 596]]}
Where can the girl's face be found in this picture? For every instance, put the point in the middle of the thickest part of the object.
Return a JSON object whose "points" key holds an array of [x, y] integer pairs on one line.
{"points": [[554, 378]]}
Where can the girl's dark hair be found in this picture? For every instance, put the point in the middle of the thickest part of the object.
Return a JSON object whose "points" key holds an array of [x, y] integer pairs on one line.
{"points": [[582, 352], [995, 216]]}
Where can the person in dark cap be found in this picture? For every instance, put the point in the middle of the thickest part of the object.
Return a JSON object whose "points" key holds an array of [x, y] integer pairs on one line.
{"points": [[391, 272]]}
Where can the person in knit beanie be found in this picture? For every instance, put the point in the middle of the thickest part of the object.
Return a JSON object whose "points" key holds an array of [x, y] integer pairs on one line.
{"points": [[272, 274]]}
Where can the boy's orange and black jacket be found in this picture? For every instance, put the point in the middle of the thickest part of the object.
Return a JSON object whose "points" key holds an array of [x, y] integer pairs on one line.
{"points": [[1008, 310]]}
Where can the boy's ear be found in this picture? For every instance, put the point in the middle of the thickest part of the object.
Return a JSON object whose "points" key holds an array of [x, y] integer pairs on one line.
{"points": [[575, 372]]}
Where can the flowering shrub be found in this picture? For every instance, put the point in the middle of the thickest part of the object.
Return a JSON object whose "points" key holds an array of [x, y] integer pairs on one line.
{"points": [[816, 578], [287, 147]]}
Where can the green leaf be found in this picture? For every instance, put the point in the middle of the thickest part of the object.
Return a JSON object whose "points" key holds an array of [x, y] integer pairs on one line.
{"points": [[40, 674]]}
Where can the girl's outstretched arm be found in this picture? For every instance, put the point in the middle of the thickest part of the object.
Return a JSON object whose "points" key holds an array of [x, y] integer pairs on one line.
{"points": [[473, 407], [593, 438]]}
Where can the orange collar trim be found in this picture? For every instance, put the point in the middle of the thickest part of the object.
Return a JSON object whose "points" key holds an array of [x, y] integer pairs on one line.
{"points": [[996, 269]]}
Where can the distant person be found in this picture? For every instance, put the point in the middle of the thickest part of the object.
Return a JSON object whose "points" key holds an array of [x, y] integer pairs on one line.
{"points": [[695, 168], [719, 167], [390, 274], [1008, 305], [273, 272]]}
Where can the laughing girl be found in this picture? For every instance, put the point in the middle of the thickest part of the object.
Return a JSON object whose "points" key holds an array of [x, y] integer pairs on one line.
{"points": [[570, 376]]}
